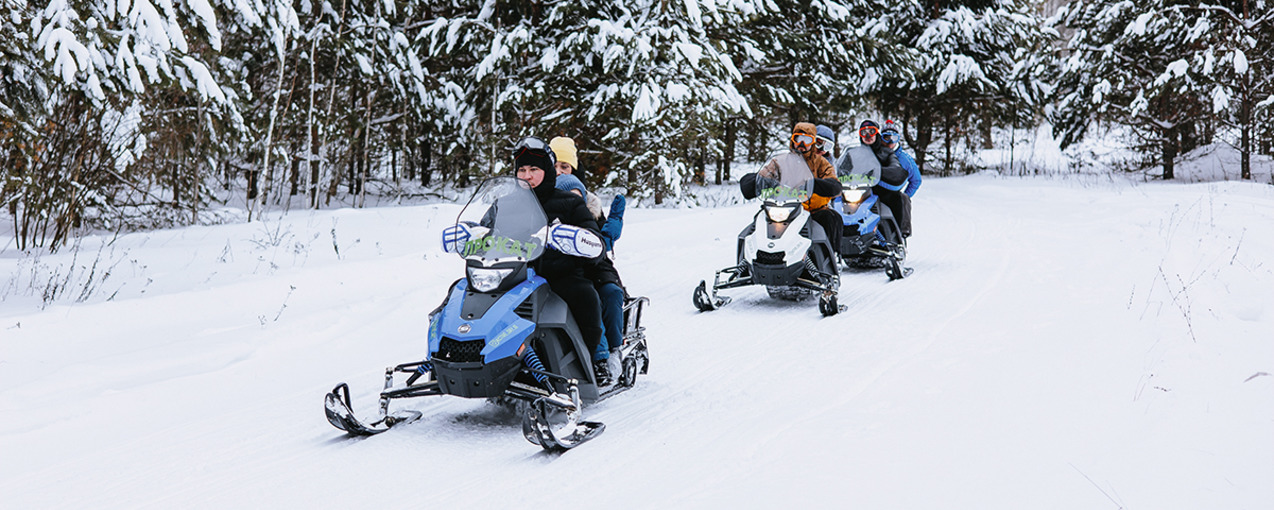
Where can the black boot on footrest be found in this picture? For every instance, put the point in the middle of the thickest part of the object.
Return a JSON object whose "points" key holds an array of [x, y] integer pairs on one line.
{"points": [[602, 370]]}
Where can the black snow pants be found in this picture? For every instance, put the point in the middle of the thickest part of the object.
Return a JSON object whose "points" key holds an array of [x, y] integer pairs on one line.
{"points": [[899, 203], [581, 296], [832, 224]]}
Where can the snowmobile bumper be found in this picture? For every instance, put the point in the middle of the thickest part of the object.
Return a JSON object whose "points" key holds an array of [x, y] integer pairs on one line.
{"points": [[778, 275], [476, 379]]}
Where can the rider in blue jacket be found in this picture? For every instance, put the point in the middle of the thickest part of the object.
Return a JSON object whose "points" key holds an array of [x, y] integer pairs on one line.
{"points": [[890, 135]]}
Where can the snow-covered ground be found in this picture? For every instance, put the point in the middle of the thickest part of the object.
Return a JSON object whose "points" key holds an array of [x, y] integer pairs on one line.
{"points": [[1064, 343]]}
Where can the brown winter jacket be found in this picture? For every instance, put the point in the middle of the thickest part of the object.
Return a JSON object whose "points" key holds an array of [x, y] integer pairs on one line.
{"points": [[819, 166]]}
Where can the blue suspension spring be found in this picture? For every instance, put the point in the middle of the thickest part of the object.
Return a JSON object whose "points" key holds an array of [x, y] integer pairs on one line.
{"points": [[533, 362], [424, 367]]}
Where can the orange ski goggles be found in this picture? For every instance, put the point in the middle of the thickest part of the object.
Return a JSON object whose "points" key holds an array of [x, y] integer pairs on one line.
{"points": [[802, 141]]}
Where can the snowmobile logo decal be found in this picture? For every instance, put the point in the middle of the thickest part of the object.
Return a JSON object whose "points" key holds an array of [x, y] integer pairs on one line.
{"points": [[780, 193], [508, 332], [855, 179], [500, 245], [464, 328]]}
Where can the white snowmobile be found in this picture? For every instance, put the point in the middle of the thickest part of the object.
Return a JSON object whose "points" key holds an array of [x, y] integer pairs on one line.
{"points": [[782, 248]]}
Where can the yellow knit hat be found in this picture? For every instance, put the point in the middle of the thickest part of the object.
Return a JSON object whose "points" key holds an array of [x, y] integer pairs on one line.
{"points": [[564, 149]]}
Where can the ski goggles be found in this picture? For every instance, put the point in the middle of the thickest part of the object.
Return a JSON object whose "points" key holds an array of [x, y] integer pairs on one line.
{"points": [[824, 144], [889, 136], [868, 131], [533, 145], [802, 141]]}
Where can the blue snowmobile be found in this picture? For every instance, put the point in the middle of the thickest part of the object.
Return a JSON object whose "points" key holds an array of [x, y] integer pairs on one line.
{"points": [[502, 334], [871, 238]]}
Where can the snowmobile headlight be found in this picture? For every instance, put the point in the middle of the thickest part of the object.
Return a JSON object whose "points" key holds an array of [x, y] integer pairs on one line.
{"points": [[780, 213], [854, 195], [487, 280]]}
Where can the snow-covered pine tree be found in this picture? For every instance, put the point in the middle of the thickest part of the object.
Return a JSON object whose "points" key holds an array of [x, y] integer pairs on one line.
{"points": [[1233, 52], [1150, 66], [980, 65], [814, 61], [663, 103], [635, 84], [94, 75]]}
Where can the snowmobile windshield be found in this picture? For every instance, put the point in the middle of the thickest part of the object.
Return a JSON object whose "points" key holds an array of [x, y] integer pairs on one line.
{"points": [[785, 179], [858, 167], [510, 224]]}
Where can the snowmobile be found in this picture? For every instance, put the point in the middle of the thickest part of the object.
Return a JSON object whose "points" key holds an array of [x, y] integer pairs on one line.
{"points": [[502, 334], [782, 248], [871, 238]]}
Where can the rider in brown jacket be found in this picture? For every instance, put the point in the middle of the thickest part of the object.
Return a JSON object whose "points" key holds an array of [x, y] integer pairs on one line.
{"points": [[826, 186]]}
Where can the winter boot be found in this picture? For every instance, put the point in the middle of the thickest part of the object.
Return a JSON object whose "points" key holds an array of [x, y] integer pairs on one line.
{"points": [[615, 364], [601, 368]]}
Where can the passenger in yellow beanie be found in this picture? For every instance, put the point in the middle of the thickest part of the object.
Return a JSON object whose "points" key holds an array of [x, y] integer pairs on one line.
{"points": [[564, 150]]}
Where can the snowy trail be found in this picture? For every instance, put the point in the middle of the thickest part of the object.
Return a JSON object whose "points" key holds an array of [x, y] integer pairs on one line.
{"points": [[1038, 356]]}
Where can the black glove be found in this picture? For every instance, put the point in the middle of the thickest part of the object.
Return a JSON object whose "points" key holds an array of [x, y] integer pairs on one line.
{"points": [[747, 185], [827, 187]]}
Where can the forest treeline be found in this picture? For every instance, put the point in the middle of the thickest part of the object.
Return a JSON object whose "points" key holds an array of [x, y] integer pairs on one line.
{"points": [[137, 113]]}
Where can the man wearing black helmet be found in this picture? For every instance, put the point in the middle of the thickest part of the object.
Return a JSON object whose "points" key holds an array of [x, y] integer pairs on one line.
{"points": [[573, 238]]}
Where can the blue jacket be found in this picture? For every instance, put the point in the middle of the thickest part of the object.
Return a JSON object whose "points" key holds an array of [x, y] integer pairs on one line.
{"points": [[913, 171]]}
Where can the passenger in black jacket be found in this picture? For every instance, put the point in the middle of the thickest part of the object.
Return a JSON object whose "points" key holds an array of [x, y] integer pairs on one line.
{"points": [[892, 174], [573, 250]]}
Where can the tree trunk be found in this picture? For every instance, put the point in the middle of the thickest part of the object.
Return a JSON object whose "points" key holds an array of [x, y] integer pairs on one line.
{"points": [[1169, 151], [700, 171], [269, 137], [311, 185], [253, 190], [410, 151], [1245, 128], [295, 176], [426, 158], [351, 166], [1187, 137], [175, 175], [946, 141], [923, 136], [312, 164], [987, 121], [731, 139], [754, 144], [632, 171]]}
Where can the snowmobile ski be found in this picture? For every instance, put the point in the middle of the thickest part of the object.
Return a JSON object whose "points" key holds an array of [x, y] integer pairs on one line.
{"points": [[895, 270], [553, 422], [706, 302], [339, 414]]}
